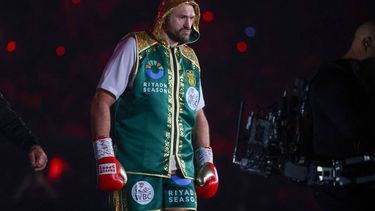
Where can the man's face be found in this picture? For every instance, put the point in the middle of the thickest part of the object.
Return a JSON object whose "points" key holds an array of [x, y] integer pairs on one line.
{"points": [[179, 22]]}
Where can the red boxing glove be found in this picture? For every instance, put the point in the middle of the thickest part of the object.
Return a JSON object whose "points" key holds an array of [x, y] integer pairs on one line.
{"points": [[207, 180], [111, 175]]}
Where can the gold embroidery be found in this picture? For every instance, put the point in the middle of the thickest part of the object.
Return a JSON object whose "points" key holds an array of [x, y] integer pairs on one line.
{"points": [[148, 174], [144, 41], [180, 125], [118, 201], [191, 78], [189, 53], [170, 126]]}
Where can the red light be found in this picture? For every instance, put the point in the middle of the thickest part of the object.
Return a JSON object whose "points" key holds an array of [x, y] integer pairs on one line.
{"points": [[60, 51], [76, 1], [241, 47], [56, 167], [208, 16], [11, 46]]}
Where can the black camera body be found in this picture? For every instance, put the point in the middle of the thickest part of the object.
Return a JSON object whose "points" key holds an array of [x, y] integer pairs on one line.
{"points": [[274, 137], [277, 140]]}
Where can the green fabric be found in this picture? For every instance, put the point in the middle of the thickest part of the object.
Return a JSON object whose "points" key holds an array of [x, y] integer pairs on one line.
{"points": [[155, 116], [155, 193]]}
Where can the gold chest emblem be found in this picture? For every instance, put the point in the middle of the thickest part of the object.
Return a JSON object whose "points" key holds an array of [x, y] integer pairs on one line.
{"points": [[191, 78]]}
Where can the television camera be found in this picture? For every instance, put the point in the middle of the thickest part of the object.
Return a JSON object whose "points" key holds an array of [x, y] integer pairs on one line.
{"points": [[276, 140]]}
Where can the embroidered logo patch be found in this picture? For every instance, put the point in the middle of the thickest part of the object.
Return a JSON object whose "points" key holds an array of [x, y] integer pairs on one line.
{"points": [[191, 78], [142, 192], [154, 69], [192, 98]]}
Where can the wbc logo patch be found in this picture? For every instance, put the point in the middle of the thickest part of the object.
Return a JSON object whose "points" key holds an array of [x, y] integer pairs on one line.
{"points": [[142, 192], [192, 98]]}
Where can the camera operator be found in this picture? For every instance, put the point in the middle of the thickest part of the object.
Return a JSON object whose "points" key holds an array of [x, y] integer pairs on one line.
{"points": [[342, 108]]}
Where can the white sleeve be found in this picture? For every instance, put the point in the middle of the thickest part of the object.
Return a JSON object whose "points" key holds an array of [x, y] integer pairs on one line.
{"points": [[116, 73], [201, 103]]}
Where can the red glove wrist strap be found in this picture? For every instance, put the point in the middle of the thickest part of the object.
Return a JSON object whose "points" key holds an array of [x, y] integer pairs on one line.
{"points": [[100, 137]]}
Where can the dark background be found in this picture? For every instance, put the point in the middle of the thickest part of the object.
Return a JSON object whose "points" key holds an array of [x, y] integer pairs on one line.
{"points": [[53, 93]]}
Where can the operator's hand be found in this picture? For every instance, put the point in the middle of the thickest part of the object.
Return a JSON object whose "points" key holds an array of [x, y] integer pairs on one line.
{"points": [[38, 159]]}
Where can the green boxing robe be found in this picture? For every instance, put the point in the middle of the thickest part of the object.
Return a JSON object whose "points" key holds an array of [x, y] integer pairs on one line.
{"points": [[153, 119]]}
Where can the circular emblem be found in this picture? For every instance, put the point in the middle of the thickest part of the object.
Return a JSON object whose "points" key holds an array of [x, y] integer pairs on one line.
{"points": [[192, 98], [154, 69], [142, 192]]}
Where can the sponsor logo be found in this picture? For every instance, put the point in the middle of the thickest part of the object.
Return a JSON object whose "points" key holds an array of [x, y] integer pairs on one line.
{"points": [[142, 192], [180, 196], [154, 69], [192, 98], [191, 78], [155, 87], [107, 168]]}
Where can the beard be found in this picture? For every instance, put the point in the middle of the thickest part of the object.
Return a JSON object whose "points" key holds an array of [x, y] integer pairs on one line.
{"points": [[177, 35]]}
